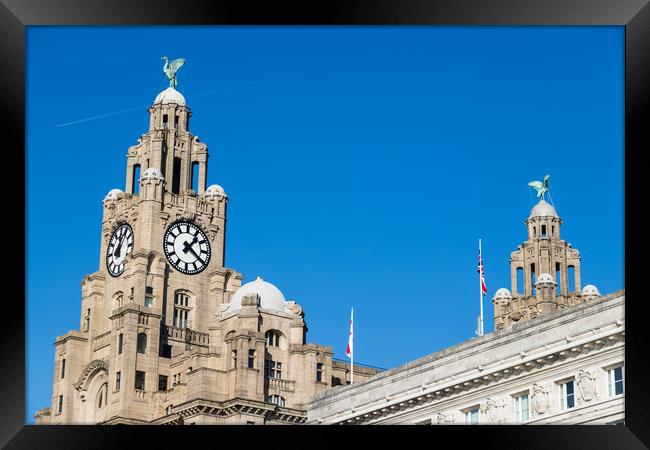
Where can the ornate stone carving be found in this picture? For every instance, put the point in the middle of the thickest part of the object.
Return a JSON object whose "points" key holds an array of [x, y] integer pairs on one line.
{"points": [[91, 367], [493, 408], [443, 418], [586, 380], [540, 399], [294, 308]]}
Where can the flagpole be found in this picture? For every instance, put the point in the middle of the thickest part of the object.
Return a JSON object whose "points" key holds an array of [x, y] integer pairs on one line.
{"points": [[352, 349], [480, 287]]}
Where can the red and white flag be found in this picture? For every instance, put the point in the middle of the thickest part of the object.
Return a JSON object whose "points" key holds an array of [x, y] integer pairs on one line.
{"points": [[482, 272], [349, 349]]}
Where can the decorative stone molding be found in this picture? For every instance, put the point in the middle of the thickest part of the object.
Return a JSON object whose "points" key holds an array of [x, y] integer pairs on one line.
{"points": [[540, 397], [493, 408], [294, 308], [586, 381], [443, 418], [82, 383]]}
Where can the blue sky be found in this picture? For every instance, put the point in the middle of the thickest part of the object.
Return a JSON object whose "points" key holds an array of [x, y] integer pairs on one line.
{"points": [[362, 165]]}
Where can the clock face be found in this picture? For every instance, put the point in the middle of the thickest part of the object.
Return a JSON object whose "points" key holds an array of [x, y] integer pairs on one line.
{"points": [[186, 247], [119, 246]]}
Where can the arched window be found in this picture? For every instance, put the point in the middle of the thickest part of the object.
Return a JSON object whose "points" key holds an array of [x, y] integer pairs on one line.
{"points": [[532, 277], [136, 179], [520, 279], [142, 342], [571, 278], [182, 310], [557, 277], [101, 396], [176, 175], [119, 300], [275, 399], [543, 231], [272, 338], [195, 176]]}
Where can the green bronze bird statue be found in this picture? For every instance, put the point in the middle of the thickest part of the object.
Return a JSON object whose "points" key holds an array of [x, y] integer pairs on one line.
{"points": [[171, 68], [540, 186]]}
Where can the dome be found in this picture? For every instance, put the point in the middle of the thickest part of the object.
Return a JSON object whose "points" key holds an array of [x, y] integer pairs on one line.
{"points": [[270, 296], [113, 194], [502, 296], [590, 291], [545, 278], [215, 191], [170, 95], [543, 209], [152, 173]]}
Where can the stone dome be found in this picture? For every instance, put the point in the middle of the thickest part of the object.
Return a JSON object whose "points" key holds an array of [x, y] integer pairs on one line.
{"points": [[502, 296], [545, 278], [543, 209], [170, 95], [215, 191], [152, 173], [590, 292], [270, 296], [113, 194]]}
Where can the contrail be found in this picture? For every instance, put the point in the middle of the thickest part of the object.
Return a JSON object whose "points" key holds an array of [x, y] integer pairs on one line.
{"points": [[215, 91]]}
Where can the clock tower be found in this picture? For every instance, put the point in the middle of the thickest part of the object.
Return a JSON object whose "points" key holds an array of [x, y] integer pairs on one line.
{"points": [[168, 334]]}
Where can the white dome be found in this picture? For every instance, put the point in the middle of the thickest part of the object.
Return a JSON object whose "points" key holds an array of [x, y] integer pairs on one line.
{"points": [[113, 194], [152, 173], [215, 191], [545, 278], [270, 296], [502, 296], [590, 291], [170, 95], [543, 209]]}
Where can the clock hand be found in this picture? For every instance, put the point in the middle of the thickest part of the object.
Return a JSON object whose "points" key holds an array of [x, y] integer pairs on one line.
{"points": [[187, 247], [118, 248]]}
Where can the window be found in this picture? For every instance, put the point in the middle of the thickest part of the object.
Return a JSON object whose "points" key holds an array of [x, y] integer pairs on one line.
{"points": [[319, 372], [543, 231], [60, 403], [567, 395], [520, 279], [136, 179], [615, 381], [120, 340], [119, 301], [139, 380], [552, 230], [63, 368], [195, 176], [102, 396], [181, 310], [118, 378], [275, 399], [472, 416], [166, 351], [87, 324], [336, 381], [233, 356], [176, 176], [251, 359], [162, 383], [148, 297], [165, 120], [558, 277], [272, 369], [176, 121], [142, 342], [521, 408], [571, 278], [272, 338], [534, 232], [532, 277]]}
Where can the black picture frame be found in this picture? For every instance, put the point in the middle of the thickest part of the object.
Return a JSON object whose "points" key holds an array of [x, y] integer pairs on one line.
{"points": [[634, 15]]}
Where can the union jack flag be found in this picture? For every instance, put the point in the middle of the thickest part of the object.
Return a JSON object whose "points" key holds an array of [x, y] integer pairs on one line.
{"points": [[481, 270]]}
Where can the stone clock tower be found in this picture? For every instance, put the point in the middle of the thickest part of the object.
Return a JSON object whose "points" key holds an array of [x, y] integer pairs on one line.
{"points": [[167, 332]]}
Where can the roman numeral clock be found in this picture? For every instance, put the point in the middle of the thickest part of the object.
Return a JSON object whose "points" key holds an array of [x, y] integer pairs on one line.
{"points": [[119, 247], [186, 247]]}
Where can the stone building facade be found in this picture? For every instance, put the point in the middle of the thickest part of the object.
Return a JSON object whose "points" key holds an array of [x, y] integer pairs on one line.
{"points": [[556, 355], [168, 334]]}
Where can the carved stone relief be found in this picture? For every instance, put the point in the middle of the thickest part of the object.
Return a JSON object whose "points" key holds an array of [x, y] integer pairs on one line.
{"points": [[493, 409], [586, 380], [443, 418], [541, 403]]}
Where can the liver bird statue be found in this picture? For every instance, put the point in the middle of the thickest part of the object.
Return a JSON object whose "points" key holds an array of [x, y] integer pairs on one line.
{"points": [[171, 68], [540, 186]]}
